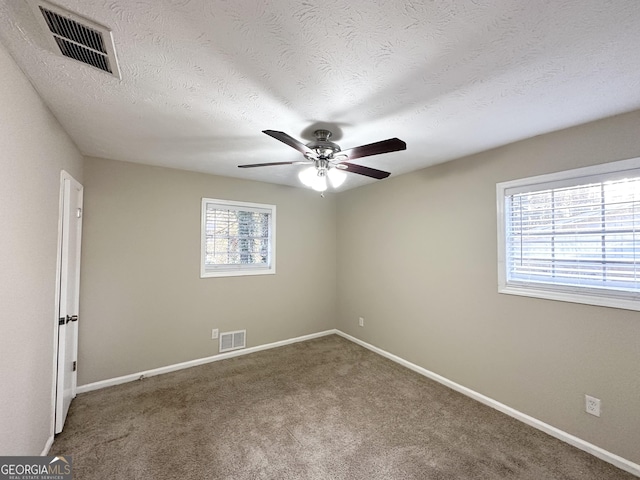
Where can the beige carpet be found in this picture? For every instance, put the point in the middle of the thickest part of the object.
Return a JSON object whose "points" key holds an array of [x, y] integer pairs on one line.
{"points": [[322, 409]]}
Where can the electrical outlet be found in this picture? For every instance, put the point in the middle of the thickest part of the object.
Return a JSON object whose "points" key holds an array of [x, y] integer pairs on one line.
{"points": [[214, 334], [592, 405], [361, 321]]}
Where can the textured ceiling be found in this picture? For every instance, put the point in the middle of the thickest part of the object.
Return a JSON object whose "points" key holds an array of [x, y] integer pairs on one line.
{"points": [[201, 79]]}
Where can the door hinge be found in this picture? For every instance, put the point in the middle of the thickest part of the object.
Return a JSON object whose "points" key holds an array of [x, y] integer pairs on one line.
{"points": [[75, 366], [79, 212]]}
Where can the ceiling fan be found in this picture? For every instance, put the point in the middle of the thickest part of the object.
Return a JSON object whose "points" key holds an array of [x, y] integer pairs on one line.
{"points": [[329, 161]]}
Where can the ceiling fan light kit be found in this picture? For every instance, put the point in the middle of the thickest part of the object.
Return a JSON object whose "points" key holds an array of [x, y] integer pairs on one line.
{"points": [[336, 177], [316, 178], [311, 178], [329, 161]]}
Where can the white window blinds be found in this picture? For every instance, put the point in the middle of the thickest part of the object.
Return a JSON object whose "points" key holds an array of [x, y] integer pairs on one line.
{"points": [[581, 233], [237, 237]]}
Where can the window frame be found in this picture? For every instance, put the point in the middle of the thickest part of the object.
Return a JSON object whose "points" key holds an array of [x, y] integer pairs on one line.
{"points": [[574, 294], [234, 270]]}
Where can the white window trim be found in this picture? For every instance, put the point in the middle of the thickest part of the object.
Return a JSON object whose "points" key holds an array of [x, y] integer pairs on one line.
{"points": [[237, 270], [566, 294]]}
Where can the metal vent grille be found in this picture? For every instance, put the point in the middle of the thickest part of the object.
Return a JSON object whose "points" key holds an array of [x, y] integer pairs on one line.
{"points": [[67, 28], [73, 50], [232, 340], [78, 38]]}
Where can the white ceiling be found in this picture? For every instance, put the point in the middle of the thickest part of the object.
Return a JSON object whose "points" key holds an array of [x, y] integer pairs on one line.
{"points": [[201, 79]]}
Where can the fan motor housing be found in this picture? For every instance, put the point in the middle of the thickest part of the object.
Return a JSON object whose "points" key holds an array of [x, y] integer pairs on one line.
{"points": [[322, 146]]}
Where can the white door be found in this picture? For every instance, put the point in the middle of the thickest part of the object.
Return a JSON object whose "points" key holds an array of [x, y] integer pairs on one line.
{"points": [[69, 288]]}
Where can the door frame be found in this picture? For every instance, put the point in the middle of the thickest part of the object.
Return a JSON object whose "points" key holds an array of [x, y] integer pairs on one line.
{"points": [[64, 175]]}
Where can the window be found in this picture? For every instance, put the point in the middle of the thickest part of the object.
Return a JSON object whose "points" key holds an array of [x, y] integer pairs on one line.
{"points": [[237, 238], [573, 236]]}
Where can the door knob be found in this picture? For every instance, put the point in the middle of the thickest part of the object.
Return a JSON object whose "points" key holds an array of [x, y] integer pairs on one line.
{"points": [[67, 319]]}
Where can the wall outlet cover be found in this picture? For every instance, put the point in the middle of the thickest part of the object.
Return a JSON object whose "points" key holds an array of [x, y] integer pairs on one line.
{"points": [[592, 405]]}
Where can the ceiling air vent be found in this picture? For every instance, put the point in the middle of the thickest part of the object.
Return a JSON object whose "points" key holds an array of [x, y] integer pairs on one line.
{"points": [[79, 38]]}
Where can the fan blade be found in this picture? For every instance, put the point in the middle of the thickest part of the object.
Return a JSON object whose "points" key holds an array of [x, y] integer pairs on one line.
{"points": [[366, 171], [267, 164], [292, 142], [385, 146]]}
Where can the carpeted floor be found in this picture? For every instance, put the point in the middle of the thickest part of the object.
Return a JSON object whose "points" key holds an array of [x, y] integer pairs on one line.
{"points": [[321, 409]]}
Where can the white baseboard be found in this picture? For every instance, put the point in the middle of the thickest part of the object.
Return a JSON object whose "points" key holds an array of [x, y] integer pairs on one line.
{"points": [[47, 447], [594, 450], [193, 363]]}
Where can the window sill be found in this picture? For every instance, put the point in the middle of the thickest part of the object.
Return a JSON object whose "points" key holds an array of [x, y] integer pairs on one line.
{"points": [[573, 297], [237, 273]]}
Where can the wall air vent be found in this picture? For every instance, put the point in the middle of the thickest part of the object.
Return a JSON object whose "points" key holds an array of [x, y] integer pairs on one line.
{"points": [[232, 340], [79, 38]]}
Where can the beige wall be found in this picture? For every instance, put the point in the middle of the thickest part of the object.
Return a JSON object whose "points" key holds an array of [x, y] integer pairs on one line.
{"points": [[33, 150], [418, 260], [143, 303]]}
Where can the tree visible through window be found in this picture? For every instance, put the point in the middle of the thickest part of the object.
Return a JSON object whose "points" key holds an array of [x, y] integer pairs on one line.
{"points": [[237, 238]]}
